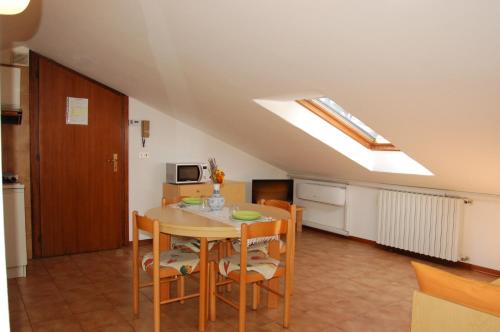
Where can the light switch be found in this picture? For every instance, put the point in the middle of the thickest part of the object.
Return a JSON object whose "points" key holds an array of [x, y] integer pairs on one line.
{"points": [[143, 155]]}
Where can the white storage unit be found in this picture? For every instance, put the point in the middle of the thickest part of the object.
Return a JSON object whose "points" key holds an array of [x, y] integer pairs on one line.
{"points": [[321, 193], [324, 205], [15, 230]]}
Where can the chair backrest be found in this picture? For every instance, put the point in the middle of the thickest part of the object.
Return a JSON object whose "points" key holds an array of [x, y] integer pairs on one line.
{"points": [[148, 225], [272, 228], [276, 203], [151, 226], [264, 229], [170, 200], [143, 223], [292, 208]]}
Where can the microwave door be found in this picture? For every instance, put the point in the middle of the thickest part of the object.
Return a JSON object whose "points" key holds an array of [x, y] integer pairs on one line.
{"points": [[188, 173], [200, 173]]}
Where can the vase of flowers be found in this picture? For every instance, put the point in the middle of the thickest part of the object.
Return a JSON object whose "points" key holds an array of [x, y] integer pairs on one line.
{"points": [[216, 201]]}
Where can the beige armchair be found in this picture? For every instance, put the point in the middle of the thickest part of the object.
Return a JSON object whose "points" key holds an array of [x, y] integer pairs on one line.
{"points": [[432, 314]]}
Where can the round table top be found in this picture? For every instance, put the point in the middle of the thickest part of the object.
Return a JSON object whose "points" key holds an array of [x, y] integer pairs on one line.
{"points": [[184, 223]]}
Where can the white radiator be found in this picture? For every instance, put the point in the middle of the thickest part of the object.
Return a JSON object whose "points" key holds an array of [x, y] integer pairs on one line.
{"points": [[425, 224]]}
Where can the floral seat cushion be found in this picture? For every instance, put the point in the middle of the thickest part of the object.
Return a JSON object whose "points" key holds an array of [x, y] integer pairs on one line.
{"points": [[258, 246], [184, 262], [189, 244], [256, 261]]}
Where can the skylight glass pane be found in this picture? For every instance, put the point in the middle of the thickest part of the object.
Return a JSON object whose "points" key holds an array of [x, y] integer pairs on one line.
{"points": [[351, 119]]}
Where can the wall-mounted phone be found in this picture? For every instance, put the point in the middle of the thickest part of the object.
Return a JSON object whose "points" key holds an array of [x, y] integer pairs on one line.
{"points": [[144, 131]]}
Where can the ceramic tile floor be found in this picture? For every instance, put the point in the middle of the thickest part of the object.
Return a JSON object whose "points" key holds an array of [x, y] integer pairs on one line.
{"points": [[341, 285]]}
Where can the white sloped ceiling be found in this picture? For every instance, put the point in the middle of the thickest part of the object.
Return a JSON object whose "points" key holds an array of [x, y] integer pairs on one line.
{"points": [[424, 74]]}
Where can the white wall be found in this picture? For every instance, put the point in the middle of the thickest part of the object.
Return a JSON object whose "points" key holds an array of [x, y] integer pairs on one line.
{"points": [[481, 231], [362, 212], [172, 140], [481, 241]]}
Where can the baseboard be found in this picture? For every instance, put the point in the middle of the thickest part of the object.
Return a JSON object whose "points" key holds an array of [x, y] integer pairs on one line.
{"points": [[360, 239], [325, 228], [465, 265], [477, 268], [16, 272]]}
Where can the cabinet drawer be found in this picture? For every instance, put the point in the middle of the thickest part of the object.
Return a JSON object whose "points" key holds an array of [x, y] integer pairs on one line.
{"points": [[233, 191], [195, 190]]}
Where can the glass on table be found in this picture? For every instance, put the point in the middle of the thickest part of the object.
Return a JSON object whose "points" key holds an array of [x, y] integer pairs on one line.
{"points": [[204, 203], [232, 209]]}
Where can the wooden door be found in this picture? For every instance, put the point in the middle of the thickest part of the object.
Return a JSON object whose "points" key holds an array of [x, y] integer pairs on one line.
{"points": [[81, 195]]}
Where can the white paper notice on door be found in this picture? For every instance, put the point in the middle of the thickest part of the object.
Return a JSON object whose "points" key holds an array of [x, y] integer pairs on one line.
{"points": [[77, 111]]}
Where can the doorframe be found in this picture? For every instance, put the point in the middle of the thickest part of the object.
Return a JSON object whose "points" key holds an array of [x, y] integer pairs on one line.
{"points": [[34, 119]]}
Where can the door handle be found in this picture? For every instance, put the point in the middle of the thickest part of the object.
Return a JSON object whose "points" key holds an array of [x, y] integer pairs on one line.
{"points": [[114, 160]]}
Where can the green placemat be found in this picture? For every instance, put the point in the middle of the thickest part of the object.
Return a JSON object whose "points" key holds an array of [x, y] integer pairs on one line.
{"points": [[192, 200], [246, 215]]}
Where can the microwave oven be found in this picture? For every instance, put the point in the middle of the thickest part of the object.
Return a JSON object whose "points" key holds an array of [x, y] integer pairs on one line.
{"points": [[179, 173]]}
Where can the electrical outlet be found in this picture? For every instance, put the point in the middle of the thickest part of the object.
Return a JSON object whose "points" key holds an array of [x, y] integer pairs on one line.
{"points": [[143, 155], [134, 123]]}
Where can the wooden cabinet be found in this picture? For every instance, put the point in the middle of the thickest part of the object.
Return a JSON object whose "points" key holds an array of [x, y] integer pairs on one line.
{"points": [[233, 191]]}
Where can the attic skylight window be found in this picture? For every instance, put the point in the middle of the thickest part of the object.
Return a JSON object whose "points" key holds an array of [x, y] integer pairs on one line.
{"points": [[344, 133], [350, 125]]}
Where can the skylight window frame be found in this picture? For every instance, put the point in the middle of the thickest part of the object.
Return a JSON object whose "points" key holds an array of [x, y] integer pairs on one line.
{"points": [[346, 127]]}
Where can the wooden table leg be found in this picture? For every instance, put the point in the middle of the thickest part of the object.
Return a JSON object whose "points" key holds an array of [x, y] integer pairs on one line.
{"points": [[229, 252], [164, 291], [165, 240], [298, 218], [164, 287], [202, 315], [274, 284]]}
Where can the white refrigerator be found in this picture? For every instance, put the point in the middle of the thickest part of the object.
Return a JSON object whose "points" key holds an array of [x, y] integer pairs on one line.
{"points": [[15, 230]]}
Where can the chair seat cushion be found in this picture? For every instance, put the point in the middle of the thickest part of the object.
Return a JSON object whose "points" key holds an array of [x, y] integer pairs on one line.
{"points": [[189, 244], [256, 261], [184, 262], [258, 246]]}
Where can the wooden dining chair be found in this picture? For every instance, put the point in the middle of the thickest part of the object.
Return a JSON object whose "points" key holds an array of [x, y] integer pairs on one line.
{"points": [[292, 209], [239, 273], [164, 267], [189, 243], [166, 239], [170, 200], [285, 205], [235, 244]]}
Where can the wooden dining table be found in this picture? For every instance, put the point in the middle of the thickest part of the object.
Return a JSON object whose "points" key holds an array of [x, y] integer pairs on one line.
{"points": [[181, 222]]}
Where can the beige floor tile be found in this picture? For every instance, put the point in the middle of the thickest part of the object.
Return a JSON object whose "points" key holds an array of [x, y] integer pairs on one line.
{"points": [[58, 325], [340, 286], [99, 319], [40, 312]]}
